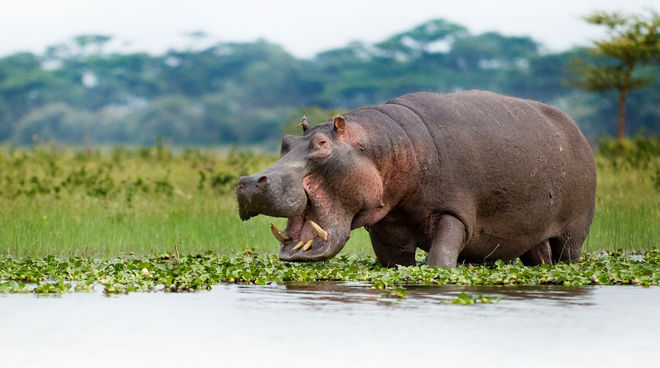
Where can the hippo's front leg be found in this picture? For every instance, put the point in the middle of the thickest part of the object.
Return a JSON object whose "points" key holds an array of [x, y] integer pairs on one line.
{"points": [[448, 242], [393, 244]]}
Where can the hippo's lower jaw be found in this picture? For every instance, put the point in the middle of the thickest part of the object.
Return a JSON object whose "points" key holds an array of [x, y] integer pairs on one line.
{"points": [[306, 240]]}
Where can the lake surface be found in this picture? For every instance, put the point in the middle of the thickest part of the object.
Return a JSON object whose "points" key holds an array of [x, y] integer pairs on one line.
{"points": [[334, 325]]}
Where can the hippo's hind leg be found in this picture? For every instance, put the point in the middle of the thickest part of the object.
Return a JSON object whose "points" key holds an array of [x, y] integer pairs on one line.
{"points": [[540, 253], [393, 244], [567, 246]]}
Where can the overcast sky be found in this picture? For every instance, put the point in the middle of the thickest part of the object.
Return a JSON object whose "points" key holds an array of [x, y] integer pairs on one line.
{"points": [[302, 27]]}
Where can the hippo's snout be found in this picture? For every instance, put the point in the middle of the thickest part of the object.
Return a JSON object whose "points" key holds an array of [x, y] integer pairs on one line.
{"points": [[248, 186], [246, 190], [270, 193]]}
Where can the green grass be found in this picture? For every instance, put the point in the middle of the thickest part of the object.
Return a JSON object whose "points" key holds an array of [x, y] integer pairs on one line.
{"points": [[627, 207], [145, 201]]}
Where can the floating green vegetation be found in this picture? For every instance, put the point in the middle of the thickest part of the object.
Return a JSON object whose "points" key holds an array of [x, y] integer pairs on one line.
{"points": [[396, 293], [201, 272], [464, 299]]}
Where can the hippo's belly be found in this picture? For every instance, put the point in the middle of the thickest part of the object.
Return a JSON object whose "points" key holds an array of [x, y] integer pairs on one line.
{"points": [[487, 247]]}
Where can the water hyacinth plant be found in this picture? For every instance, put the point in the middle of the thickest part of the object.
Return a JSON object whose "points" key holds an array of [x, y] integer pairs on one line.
{"points": [[200, 272]]}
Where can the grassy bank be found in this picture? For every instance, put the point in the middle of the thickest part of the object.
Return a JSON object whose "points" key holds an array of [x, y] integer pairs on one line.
{"points": [[145, 201]]}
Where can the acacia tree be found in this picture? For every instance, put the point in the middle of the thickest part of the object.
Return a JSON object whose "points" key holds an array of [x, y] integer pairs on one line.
{"points": [[633, 41]]}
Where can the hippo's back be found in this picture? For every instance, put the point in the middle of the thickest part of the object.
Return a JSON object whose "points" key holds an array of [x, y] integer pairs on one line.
{"points": [[513, 168]]}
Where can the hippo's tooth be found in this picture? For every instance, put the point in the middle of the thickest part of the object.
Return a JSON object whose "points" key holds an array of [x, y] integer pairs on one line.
{"points": [[308, 244], [318, 230], [300, 244], [279, 235]]}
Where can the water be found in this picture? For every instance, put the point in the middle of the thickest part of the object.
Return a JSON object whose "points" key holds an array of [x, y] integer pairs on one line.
{"points": [[334, 325]]}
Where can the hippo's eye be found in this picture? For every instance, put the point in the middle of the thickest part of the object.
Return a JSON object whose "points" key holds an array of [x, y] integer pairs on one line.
{"points": [[320, 147]]}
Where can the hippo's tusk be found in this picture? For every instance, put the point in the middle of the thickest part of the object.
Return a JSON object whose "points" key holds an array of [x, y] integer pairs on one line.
{"points": [[318, 230], [279, 235], [300, 244], [308, 244]]}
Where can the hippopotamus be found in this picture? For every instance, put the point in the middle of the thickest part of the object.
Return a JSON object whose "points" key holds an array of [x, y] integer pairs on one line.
{"points": [[470, 176]]}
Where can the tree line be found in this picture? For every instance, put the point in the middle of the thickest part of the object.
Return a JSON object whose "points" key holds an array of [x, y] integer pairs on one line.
{"points": [[248, 93]]}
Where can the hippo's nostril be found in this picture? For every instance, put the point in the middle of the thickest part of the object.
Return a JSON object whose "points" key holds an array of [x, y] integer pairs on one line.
{"points": [[262, 180]]}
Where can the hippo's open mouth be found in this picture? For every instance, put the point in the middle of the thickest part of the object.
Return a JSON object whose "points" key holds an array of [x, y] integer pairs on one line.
{"points": [[309, 236]]}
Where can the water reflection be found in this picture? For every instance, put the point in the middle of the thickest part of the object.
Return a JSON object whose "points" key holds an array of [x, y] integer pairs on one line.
{"points": [[325, 294]]}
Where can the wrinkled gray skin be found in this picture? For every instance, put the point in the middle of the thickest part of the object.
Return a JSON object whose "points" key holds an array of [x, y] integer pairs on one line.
{"points": [[471, 176]]}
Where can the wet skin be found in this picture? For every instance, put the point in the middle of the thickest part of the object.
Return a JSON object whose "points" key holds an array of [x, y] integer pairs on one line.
{"points": [[472, 176]]}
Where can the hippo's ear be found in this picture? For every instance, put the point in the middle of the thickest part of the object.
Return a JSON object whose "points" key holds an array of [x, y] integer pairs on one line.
{"points": [[340, 124]]}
